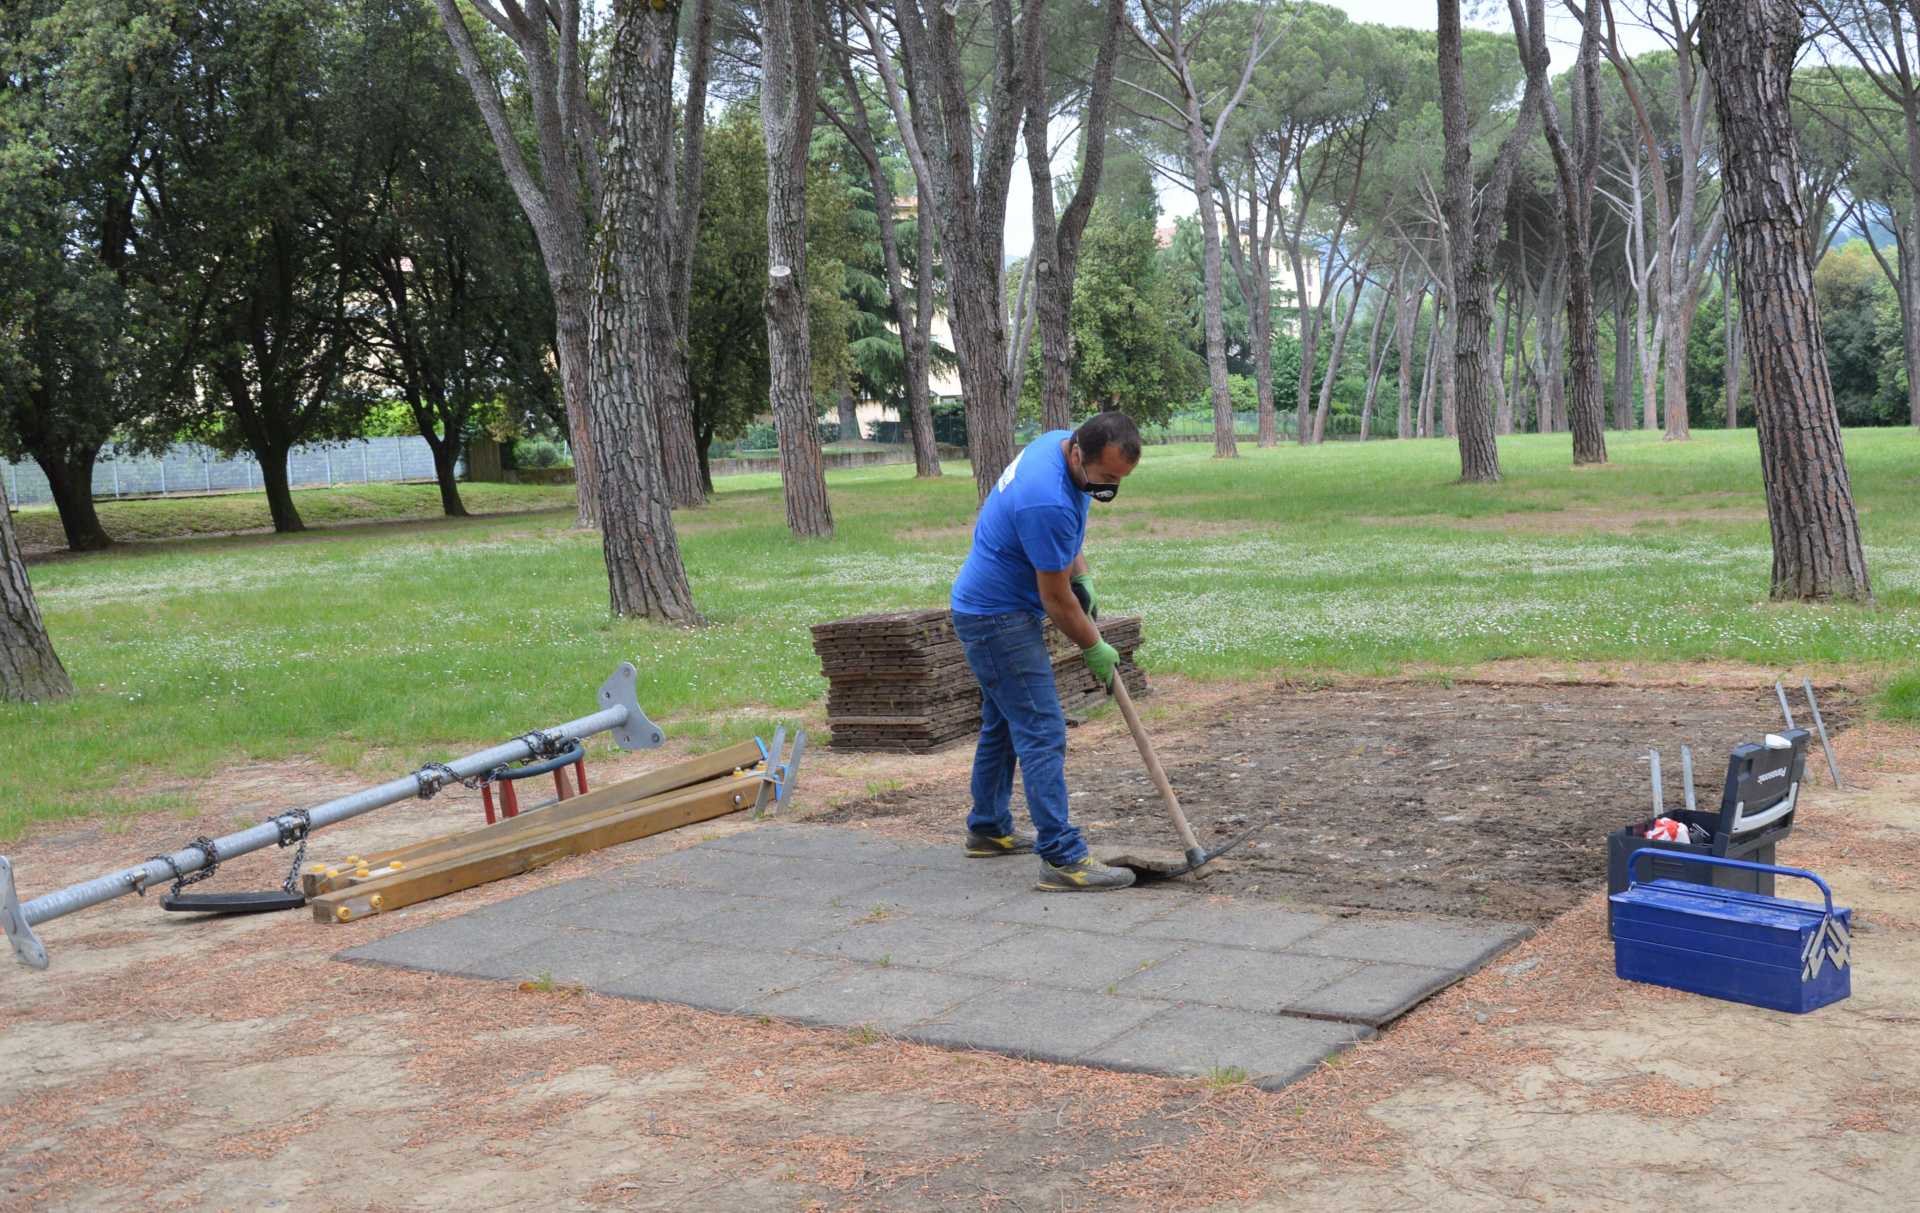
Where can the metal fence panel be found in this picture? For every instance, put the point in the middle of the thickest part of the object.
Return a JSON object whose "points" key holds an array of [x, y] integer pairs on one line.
{"points": [[190, 468]]}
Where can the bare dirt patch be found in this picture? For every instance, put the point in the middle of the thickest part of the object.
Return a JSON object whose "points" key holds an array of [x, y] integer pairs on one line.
{"points": [[1469, 799], [171, 1063]]}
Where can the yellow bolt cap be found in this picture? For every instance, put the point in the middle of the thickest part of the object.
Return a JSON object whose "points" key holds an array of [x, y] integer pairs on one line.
{"points": [[374, 901], [343, 913]]}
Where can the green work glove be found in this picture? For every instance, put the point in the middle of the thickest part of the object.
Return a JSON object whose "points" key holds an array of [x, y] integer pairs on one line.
{"points": [[1083, 590], [1101, 659]]}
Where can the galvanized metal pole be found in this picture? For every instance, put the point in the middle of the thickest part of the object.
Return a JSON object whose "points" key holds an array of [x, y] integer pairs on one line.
{"points": [[1833, 767], [620, 713]]}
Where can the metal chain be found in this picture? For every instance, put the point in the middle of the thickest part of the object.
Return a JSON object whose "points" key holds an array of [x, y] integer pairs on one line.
{"points": [[288, 835], [543, 746], [206, 846], [437, 775]]}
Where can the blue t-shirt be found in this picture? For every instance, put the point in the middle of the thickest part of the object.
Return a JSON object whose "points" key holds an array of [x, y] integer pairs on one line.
{"points": [[1034, 519]]}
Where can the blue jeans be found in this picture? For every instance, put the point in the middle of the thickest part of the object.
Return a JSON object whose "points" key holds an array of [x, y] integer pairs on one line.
{"points": [[1020, 721]]}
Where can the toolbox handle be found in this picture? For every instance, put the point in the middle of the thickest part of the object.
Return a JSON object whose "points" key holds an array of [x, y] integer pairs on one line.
{"points": [[1633, 864]]}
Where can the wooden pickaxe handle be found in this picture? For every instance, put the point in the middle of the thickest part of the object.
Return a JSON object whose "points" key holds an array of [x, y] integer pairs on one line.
{"points": [[1194, 851]]}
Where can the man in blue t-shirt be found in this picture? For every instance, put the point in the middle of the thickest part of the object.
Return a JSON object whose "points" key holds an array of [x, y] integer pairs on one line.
{"points": [[1025, 567]]}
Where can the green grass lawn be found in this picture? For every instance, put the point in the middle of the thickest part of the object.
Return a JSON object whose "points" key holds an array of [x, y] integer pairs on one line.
{"points": [[379, 650], [176, 517]]}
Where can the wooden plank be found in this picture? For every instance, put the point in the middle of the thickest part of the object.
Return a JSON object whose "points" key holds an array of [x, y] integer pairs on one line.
{"points": [[613, 796], [491, 838], [466, 871]]}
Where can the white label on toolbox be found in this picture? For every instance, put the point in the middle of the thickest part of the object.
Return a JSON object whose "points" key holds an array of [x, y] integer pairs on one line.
{"points": [[1771, 775]]}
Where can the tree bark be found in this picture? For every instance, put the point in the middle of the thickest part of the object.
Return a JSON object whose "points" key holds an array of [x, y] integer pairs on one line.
{"points": [[1377, 354], [560, 198], [446, 453], [789, 86], [632, 284], [1056, 246], [1406, 321], [1577, 164], [681, 453], [70, 480], [926, 444], [1334, 358], [1749, 47], [912, 310], [1502, 398], [1731, 324], [30, 671], [1474, 238], [1203, 137], [1247, 252], [969, 194], [1622, 367]]}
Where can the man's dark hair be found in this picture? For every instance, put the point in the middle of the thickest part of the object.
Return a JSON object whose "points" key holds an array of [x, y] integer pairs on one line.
{"points": [[1102, 430]]}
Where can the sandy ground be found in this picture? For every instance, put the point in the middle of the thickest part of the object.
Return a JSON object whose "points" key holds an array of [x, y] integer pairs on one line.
{"points": [[170, 1063]]}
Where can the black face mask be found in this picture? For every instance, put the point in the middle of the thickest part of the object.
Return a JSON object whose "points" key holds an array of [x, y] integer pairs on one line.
{"points": [[1095, 489]]}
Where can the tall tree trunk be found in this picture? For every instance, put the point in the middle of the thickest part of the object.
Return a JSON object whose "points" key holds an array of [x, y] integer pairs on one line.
{"points": [[1731, 392], [1577, 164], [446, 454], [849, 414], [632, 283], [1750, 47], [1622, 366], [1213, 273], [560, 198], [968, 192], [1649, 370], [30, 671], [1423, 424], [1377, 354], [1309, 323], [279, 491], [1502, 399], [1056, 245], [70, 479], [790, 83], [1907, 291], [1247, 244], [912, 310], [1406, 322], [1475, 232], [682, 454], [1334, 358], [926, 445], [572, 353]]}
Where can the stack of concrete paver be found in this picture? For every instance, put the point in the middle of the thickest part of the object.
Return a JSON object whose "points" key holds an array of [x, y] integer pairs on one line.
{"points": [[900, 681]]}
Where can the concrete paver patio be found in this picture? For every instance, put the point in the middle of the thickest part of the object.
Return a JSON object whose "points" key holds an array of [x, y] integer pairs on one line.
{"points": [[836, 926]]}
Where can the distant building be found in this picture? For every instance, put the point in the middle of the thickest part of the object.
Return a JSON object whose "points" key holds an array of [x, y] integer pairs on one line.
{"points": [[1279, 273]]}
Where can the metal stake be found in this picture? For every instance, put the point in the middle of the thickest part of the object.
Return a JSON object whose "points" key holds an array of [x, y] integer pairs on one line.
{"points": [[1832, 767], [1659, 789], [1784, 709], [620, 713], [1686, 773]]}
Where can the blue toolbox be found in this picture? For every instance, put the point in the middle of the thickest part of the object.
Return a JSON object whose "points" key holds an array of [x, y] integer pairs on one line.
{"points": [[1756, 811], [1744, 947]]}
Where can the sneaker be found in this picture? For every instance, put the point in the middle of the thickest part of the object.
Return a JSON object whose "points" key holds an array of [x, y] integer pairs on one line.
{"points": [[1084, 875], [985, 846]]}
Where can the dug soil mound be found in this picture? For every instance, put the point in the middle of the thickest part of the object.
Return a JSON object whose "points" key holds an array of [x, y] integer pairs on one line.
{"points": [[1481, 800]]}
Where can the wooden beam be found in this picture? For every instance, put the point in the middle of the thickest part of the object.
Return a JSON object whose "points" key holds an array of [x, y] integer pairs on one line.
{"points": [[465, 871], [651, 785]]}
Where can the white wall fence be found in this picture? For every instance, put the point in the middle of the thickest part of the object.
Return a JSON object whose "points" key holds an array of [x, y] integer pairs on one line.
{"points": [[188, 468]]}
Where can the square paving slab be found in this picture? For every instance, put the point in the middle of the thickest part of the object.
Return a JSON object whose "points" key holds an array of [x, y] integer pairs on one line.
{"points": [[835, 926]]}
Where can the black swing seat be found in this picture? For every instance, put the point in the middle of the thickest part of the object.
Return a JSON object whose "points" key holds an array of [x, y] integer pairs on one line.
{"points": [[232, 903]]}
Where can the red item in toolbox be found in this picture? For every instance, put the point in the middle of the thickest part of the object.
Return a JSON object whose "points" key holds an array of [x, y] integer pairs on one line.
{"points": [[1666, 829]]}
